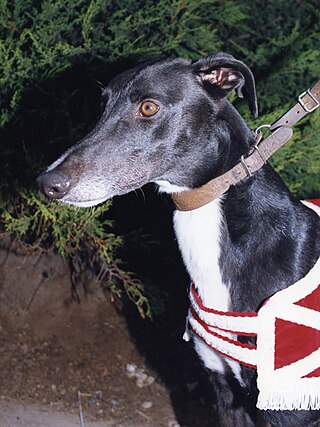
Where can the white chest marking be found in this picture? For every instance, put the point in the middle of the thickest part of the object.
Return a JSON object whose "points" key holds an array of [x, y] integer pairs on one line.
{"points": [[198, 233]]}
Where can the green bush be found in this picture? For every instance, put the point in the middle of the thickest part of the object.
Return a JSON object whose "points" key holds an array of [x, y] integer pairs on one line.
{"points": [[82, 237], [51, 52]]}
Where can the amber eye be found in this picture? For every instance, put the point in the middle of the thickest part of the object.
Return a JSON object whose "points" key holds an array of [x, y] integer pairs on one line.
{"points": [[148, 108]]}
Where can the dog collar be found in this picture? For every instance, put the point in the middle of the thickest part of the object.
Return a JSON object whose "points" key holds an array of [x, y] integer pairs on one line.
{"points": [[256, 158], [287, 350]]}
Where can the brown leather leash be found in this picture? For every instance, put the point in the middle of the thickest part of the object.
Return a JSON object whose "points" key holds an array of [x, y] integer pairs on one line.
{"points": [[258, 155]]}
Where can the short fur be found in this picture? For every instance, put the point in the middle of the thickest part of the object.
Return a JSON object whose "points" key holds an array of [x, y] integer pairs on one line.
{"points": [[251, 242]]}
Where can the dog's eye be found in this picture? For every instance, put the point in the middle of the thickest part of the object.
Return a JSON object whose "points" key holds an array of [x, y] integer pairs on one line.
{"points": [[148, 108]]}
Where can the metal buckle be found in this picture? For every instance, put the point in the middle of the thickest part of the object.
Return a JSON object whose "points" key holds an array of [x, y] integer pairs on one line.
{"points": [[258, 134], [304, 105], [245, 166]]}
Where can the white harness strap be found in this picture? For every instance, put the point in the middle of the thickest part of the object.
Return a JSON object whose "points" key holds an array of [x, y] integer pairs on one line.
{"points": [[215, 327]]}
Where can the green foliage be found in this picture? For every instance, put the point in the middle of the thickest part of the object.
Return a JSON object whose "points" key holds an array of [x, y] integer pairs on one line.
{"points": [[42, 39], [81, 237], [60, 226], [49, 51], [281, 44]]}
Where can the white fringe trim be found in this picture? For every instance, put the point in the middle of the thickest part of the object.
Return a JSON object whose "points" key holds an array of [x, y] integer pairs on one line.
{"points": [[289, 400]]}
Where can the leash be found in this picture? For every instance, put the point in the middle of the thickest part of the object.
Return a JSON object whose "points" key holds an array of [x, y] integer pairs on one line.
{"points": [[258, 155]]}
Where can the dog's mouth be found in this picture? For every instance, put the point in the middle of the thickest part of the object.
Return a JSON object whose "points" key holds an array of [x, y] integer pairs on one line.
{"points": [[75, 199], [164, 186], [85, 203]]}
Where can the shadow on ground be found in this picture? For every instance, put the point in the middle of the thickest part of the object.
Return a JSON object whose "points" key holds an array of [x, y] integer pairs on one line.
{"points": [[160, 341], [52, 348]]}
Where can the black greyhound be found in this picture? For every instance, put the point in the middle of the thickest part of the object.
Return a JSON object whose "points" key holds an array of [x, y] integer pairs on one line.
{"points": [[170, 122]]}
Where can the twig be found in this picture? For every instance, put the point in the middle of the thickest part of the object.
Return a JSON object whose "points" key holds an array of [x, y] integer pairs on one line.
{"points": [[35, 292], [80, 410], [142, 414]]}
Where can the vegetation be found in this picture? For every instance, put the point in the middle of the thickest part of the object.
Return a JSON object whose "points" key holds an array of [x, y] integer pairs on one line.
{"points": [[54, 52], [82, 237]]}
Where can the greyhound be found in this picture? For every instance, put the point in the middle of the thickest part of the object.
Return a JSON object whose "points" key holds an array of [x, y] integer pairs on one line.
{"points": [[169, 121]]}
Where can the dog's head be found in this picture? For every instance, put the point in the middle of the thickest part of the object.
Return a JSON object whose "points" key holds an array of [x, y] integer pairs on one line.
{"points": [[166, 121]]}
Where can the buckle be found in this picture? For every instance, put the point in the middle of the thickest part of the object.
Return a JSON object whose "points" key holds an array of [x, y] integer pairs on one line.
{"points": [[258, 134], [262, 156], [245, 166], [305, 104]]}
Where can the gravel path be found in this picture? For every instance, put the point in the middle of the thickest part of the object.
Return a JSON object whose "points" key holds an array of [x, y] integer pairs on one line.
{"points": [[16, 414]]}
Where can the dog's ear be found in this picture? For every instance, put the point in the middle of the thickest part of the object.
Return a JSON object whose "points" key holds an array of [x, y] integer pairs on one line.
{"points": [[222, 73]]}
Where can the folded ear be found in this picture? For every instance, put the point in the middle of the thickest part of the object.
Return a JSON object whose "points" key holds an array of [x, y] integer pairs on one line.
{"points": [[223, 73]]}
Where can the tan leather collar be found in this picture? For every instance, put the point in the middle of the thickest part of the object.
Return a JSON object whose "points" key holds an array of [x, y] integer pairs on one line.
{"points": [[256, 158]]}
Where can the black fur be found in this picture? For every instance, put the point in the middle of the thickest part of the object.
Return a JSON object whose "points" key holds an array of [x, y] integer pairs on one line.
{"points": [[270, 240]]}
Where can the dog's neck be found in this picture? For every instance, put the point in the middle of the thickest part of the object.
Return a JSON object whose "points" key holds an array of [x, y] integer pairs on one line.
{"points": [[203, 232], [244, 246]]}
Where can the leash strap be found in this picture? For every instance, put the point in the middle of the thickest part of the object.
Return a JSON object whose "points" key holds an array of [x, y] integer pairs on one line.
{"points": [[257, 157], [307, 102]]}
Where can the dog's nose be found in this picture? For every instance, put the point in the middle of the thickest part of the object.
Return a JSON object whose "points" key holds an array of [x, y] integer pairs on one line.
{"points": [[54, 184]]}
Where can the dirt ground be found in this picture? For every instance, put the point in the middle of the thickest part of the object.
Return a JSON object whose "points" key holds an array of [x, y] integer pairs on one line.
{"points": [[66, 364]]}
